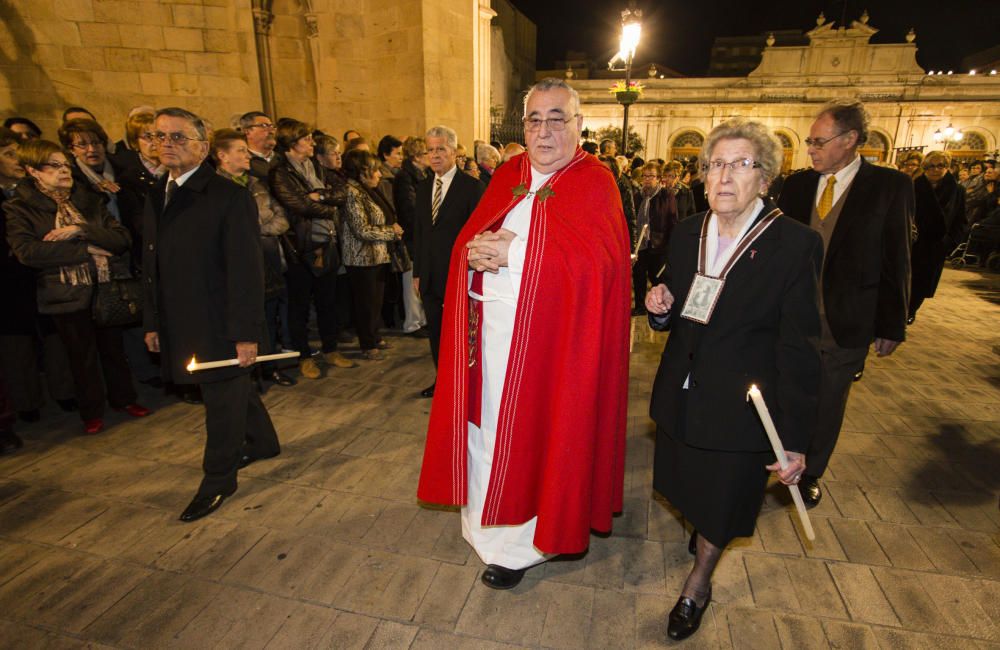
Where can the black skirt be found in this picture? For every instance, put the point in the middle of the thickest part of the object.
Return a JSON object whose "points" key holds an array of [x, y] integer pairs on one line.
{"points": [[719, 492]]}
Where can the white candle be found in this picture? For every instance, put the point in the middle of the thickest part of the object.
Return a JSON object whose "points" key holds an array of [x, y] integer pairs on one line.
{"points": [[638, 242], [779, 452], [194, 365]]}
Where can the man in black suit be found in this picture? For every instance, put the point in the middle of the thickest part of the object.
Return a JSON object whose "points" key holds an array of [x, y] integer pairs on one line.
{"points": [[863, 213], [445, 200], [205, 298]]}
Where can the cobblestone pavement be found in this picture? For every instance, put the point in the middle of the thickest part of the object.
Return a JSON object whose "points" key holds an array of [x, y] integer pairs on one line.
{"points": [[326, 547]]}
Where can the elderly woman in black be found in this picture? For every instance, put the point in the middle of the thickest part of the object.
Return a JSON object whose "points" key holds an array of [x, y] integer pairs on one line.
{"points": [[940, 221], [67, 234], [311, 206], [741, 306], [366, 233]]}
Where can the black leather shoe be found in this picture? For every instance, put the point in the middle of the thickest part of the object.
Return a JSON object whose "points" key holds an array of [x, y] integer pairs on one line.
{"points": [[811, 494], [429, 391], [498, 577], [32, 415], [420, 333], [9, 442], [693, 543], [858, 375], [247, 459], [685, 617], [191, 395], [203, 506], [909, 321], [68, 405], [280, 378]]}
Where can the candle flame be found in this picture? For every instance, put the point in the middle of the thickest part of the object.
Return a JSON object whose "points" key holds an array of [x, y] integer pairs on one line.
{"points": [[191, 364]]}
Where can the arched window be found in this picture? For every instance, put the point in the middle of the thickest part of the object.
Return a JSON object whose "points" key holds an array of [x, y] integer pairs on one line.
{"points": [[788, 151], [971, 147], [876, 149], [686, 145]]}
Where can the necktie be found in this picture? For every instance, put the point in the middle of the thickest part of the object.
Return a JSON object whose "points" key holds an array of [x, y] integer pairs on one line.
{"points": [[436, 203], [171, 188], [826, 198]]}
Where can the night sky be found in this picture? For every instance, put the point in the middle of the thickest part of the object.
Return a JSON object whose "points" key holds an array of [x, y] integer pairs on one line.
{"points": [[679, 33]]}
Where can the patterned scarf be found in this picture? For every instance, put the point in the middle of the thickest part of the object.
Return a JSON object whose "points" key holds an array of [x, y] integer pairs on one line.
{"points": [[68, 215]]}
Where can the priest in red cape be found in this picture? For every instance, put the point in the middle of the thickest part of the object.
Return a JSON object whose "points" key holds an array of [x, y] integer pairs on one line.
{"points": [[527, 427]]}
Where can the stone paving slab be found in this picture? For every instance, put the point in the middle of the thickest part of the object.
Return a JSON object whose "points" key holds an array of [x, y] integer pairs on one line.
{"points": [[326, 546]]}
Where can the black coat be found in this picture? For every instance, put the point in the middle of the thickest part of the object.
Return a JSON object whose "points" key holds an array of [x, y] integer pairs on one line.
{"points": [[17, 287], [31, 215], [433, 243], [404, 197], [203, 274], [130, 198], [940, 219], [866, 270], [765, 331], [292, 191]]}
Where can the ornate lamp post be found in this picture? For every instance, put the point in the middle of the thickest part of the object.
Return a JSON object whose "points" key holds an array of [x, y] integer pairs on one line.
{"points": [[631, 32], [948, 136]]}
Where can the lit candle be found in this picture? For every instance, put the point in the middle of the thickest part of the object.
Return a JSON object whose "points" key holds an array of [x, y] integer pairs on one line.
{"points": [[194, 365], [779, 453]]}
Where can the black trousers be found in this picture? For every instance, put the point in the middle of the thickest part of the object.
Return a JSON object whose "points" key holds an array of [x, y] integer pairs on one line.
{"points": [[838, 367], [367, 290], [305, 289], [237, 423], [434, 311], [95, 353], [646, 269]]}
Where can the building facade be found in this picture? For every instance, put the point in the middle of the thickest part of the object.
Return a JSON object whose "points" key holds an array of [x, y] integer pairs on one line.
{"points": [[907, 105]]}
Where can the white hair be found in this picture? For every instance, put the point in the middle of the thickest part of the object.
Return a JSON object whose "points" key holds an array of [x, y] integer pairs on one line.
{"points": [[551, 83], [487, 152], [449, 135]]}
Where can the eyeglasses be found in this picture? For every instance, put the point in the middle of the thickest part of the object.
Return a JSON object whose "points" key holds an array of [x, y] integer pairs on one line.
{"points": [[935, 165], [175, 138], [532, 124], [267, 126], [83, 146], [819, 143], [56, 165], [742, 166], [650, 176], [148, 137]]}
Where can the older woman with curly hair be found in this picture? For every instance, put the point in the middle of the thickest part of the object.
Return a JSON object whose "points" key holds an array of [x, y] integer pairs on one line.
{"points": [[741, 306], [366, 254]]}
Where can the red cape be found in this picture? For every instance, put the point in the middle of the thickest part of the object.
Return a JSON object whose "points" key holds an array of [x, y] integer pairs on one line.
{"points": [[560, 446]]}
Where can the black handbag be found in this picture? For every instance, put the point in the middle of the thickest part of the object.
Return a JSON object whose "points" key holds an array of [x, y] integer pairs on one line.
{"points": [[118, 303], [399, 257]]}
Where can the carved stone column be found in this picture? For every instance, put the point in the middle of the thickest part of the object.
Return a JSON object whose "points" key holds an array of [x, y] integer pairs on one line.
{"points": [[481, 46], [312, 35], [262, 18]]}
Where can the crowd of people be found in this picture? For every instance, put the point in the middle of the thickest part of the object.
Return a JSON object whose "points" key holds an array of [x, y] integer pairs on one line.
{"points": [[126, 260]]}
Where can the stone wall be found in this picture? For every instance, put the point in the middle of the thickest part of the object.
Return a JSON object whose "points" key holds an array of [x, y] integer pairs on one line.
{"points": [[378, 66]]}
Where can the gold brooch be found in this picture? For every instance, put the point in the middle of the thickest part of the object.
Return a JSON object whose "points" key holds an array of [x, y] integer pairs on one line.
{"points": [[544, 193], [521, 190]]}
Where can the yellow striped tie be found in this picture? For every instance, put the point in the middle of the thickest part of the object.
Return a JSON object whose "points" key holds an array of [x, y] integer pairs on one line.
{"points": [[436, 202], [826, 199]]}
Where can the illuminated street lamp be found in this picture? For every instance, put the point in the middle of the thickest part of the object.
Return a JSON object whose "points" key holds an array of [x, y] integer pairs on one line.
{"points": [[631, 33], [950, 135]]}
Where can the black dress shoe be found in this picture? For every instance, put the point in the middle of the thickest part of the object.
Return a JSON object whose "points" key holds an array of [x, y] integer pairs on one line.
{"points": [[498, 577], [9, 442], [909, 320], [32, 415], [247, 459], [429, 391], [858, 375], [68, 405], [202, 506], [811, 494], [191, 395], [280, 378], [693, 543], [420, 333], [685, 617]]}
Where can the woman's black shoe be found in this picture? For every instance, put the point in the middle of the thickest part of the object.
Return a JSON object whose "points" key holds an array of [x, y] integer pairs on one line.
{"points": [[498, 577], [280, 378], [693, 543], [685, 617]]}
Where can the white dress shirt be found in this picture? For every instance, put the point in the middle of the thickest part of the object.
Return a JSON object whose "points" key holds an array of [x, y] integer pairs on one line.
{"points": [[446, 180]]}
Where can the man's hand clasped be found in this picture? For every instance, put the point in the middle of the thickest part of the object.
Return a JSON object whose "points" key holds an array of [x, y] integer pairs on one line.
{"points": [[488, 250], [659, 300]]}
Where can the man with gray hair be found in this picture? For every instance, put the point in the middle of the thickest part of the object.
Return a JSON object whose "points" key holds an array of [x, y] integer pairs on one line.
{"points": [[261, 140], [527, 428], [445, 199], [864, 213]]}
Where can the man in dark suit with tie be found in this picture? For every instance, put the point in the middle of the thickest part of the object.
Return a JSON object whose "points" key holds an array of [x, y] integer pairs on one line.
{"points": [[444, 202], [205, 298], [863, 213]]}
